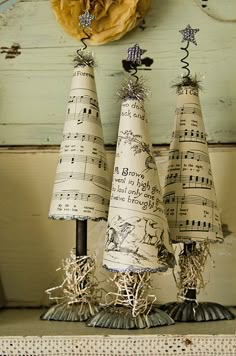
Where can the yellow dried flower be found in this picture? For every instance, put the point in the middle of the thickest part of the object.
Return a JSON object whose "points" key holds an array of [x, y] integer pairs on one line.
{"points": [[114, 18]]}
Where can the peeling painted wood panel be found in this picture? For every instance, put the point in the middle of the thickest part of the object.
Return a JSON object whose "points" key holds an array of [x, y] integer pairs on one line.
{"points": [[5, 4], [32, 246], [35, 84]]}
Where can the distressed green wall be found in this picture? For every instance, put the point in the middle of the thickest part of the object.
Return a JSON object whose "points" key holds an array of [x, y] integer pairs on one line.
{"points": [[34, 85]]}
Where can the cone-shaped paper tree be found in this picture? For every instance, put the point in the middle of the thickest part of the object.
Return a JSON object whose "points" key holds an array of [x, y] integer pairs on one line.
{"points": [[190, 201], [81, 192], [137, 236]]}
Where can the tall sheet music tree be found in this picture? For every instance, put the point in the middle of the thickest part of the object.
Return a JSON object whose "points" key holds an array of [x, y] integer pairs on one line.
{"points": [[137, 236], [81, 189], [190, 199]]}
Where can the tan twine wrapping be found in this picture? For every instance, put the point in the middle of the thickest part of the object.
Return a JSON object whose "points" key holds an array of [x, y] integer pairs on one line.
{"points": [[79, 284], [191, 267], [131, 290]]}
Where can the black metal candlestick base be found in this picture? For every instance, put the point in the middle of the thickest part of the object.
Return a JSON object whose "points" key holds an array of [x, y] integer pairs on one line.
{"points": [[130, 305], [81, 238], [190, 309], [120, 317], [81, 307], [70, 312]]}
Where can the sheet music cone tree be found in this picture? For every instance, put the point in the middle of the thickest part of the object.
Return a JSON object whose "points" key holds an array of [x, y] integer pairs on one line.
{"points": [[81, 191], [137, 237], [191, 208], [189, 193], [81, 188], [190, 199]]}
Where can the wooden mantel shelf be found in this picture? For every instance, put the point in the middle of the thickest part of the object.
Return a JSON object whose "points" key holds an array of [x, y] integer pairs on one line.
{"points": [[23, 333]]}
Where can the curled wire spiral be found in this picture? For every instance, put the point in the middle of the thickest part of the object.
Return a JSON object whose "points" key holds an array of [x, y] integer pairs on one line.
{"points": [[82, 57], [185, 63], [83, 41], [135, 72]]}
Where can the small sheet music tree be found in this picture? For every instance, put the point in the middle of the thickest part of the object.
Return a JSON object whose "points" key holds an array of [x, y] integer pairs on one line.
{"points": [[190, 201], [137, 237], [81, 192]]}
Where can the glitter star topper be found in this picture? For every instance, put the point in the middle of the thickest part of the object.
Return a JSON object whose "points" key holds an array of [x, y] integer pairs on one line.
{"points": [[135, 53], [86, 19], [189, 34]]}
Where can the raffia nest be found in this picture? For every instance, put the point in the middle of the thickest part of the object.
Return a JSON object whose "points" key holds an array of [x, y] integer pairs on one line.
{"points": [[114, 18]]}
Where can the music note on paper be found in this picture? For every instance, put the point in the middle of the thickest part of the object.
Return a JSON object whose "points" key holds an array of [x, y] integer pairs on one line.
{"points": [[189, 192], [189, 181], [172, 198], [82, 186], [85, 114], [190, 136], [83, 137], [190, 108], [84, 99]]}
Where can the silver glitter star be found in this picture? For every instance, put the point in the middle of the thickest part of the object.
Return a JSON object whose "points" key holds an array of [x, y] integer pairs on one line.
{"points": [[86, 19], [188, 34], [135, 53]]}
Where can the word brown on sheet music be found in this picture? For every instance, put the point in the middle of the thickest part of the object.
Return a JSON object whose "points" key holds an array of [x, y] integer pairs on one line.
{"points": [[137, 232]]}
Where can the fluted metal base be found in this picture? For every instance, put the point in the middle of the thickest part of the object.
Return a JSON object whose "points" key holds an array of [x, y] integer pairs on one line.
{"points": [[120, 317], [70, 312], [192, 311]]}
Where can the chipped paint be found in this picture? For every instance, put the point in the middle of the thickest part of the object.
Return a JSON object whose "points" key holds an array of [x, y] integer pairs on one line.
{"points": [[11, 52], [5, 4]]}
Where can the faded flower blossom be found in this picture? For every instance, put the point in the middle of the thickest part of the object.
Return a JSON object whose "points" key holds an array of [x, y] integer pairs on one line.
{"points": [[114, 18]]}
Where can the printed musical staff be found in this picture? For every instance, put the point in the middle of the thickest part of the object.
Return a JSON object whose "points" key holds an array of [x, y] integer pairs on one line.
{"points": [[199, 156], [72, 158], [83, 99], [189, 109], [62, 176], [83, 137], [81, 187], [194, 225], [70, 195], [189, 193], [83, 115], [190, 136], [189, 181], [171, 198]]}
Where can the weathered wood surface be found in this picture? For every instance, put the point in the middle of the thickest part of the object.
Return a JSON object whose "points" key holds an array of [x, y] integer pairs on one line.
{"points": [[27, 322], [35, 84], [23, 333], [5, 4], [32, 246]]}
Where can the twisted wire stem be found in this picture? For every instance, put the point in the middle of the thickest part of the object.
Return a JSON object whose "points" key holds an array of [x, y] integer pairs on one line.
{"points": [[185, 63], [192, 264], [134, 73], [83, 41]]}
